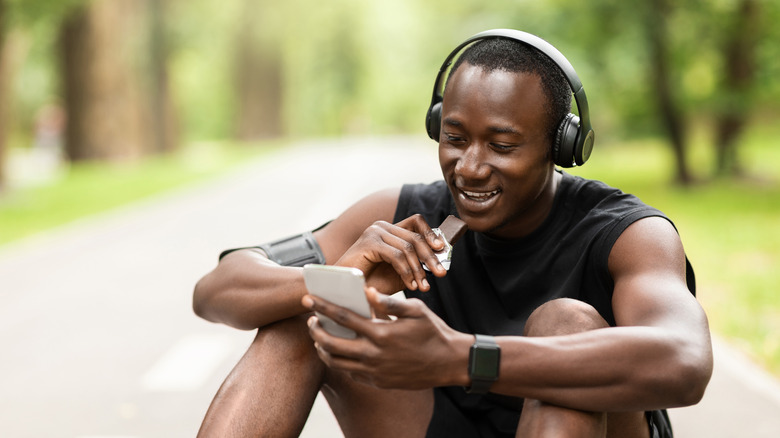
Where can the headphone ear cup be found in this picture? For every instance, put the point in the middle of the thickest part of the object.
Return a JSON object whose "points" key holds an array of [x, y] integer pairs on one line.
{"points": [[566, 141], [433, 121]]}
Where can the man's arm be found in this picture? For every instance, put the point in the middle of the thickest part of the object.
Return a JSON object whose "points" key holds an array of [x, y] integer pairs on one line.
{"points": [[659, 356], [247, 291]]}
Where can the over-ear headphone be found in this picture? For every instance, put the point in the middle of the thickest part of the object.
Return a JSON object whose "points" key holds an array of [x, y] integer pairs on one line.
{"points": [[574, 140]]}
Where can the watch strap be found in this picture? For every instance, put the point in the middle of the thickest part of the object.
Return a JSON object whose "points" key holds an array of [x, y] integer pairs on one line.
{"points": [[484, 361]]}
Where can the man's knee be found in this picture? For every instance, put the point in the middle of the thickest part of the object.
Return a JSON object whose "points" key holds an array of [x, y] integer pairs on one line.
{"points": [[272, 388], [287, 339], [563, 316]]}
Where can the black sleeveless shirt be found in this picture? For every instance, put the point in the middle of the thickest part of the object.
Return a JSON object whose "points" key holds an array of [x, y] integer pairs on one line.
{"points": [[493, 285]]}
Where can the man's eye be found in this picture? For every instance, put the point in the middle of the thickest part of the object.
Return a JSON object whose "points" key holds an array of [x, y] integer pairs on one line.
{"points": [[455, 139], [501, 147]]}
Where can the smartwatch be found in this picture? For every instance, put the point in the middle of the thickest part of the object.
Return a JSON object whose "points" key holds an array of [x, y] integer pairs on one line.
{"points": [[484, 361]]}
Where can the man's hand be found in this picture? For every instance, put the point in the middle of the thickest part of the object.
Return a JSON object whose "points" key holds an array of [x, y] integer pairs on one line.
{"points": [[390, 255], [415, 351]]}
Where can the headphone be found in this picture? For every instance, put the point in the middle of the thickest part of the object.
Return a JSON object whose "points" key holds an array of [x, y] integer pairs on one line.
{"points": [[571, 147]]}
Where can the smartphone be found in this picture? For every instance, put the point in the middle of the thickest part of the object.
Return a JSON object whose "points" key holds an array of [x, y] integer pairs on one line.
{"points": [[341, 286]]}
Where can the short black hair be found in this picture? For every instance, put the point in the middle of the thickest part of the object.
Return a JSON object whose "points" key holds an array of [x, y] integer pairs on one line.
{"points": [[517, 57]]}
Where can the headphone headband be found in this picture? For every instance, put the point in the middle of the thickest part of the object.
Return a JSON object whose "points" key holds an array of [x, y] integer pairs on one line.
{"points": [[583, 144]]}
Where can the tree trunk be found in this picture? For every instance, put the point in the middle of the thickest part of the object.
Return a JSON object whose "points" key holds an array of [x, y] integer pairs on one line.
{"points": [[165, 131], [258, 77], [671, 115], [4, 91], [739, 72], [104, 116]]}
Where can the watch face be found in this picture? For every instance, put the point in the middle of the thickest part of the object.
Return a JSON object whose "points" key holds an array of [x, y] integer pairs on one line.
{"points": [[485, 363]]}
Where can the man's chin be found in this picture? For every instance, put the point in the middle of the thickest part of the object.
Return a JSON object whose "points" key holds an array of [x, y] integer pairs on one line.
{"points": [[476, 224]]}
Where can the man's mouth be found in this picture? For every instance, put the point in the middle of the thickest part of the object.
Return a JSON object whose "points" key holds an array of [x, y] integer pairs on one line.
{"points": [[479, 196]]}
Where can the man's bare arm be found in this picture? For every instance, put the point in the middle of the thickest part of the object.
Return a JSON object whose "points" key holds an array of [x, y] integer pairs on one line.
{"points": [[247, 291], [659, 356]]}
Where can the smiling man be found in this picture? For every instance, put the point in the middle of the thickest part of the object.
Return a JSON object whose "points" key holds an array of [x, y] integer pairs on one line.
{"points": [[568, 309]]}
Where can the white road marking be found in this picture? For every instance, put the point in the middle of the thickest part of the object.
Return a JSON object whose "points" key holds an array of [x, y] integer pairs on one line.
{"points": [[188, 364]]}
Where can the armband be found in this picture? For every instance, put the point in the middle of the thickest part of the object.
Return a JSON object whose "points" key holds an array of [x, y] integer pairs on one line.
{"points": [[291, 251], [295, 251]]}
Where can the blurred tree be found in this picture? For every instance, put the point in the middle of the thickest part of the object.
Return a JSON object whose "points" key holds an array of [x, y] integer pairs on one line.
{"points": [[305, 68], [4, 90], [695, 60], [258, 71], [739, 74], [164, 117], [200, 38], [670, 111], [326, 54], [30, 22], [105, 118]]}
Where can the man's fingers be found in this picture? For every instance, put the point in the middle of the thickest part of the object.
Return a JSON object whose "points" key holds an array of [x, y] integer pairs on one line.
{"points": [[406, 258], [340, 315], [335, 352], [431, 243], [417, 247], [392, 306]]}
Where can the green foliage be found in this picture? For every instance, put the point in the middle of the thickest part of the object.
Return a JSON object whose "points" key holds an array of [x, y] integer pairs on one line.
{"points": [[352, 66], [32, 12], [34, 24], [201, 56]]}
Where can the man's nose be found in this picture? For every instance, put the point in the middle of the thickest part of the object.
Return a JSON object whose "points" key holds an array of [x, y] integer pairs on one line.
{"points": [[472, 164]]}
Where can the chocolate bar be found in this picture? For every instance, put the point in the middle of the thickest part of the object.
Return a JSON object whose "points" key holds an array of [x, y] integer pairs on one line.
{"points": [[453, 228]]}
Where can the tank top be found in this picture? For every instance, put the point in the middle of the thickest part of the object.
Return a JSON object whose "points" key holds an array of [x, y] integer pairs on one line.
{"points": [[493, 285]]}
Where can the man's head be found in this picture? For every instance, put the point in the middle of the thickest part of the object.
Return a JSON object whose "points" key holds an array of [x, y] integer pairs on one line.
{"points": [[499, 115], [517, 57]]}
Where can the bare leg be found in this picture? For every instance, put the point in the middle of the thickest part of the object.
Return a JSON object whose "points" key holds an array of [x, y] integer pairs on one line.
{"points": [[364, 411], [271, 390], [539, 419]]}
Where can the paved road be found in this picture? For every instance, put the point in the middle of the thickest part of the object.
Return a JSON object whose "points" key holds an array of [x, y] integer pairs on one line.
{"points": [[97, 338]]}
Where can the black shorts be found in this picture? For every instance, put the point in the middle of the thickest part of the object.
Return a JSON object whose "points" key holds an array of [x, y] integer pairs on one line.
{"points": [[458, 414], [660, 426]]}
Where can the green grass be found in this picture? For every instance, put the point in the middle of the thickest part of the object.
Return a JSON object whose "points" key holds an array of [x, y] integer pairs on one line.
{"points": [[730, 229], [88, 188]]}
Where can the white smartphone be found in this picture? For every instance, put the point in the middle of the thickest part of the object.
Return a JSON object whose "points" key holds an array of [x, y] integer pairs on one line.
{"points": [[341, 286]]}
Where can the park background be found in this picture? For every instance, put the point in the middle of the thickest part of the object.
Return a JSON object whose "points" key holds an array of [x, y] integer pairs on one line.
{"points": [[106, 102]]}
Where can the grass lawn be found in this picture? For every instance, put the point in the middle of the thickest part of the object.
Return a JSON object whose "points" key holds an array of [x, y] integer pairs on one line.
{"points": [[87, 188], [731, 232]]}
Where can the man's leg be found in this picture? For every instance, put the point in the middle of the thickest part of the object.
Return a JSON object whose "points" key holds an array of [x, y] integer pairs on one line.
{"points": [[364, 411], [562, 317], [271, 390]]}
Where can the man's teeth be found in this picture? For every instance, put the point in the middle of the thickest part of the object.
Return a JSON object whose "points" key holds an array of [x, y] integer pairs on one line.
{"points": [[480, 195]]}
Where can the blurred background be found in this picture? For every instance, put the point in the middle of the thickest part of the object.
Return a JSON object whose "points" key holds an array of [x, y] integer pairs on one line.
{"points": [[107, 102]]}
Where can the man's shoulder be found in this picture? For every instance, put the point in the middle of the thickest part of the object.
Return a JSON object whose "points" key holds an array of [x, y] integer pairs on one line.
{"points": [[594, 196], [593, 208], [589, 187]]}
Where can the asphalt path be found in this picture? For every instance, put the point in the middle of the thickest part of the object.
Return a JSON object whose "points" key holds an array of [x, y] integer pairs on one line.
{"points": [[97, 335]]}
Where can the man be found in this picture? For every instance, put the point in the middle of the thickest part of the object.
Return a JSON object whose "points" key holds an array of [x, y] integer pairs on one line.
{"points": [[582, 288]]}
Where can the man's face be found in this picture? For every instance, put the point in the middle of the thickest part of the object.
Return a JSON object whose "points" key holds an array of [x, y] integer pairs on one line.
{"points": [[494, 150]]}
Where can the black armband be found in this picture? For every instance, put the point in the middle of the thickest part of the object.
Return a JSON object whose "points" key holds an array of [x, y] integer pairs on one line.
{"points": [[291, 251]]}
